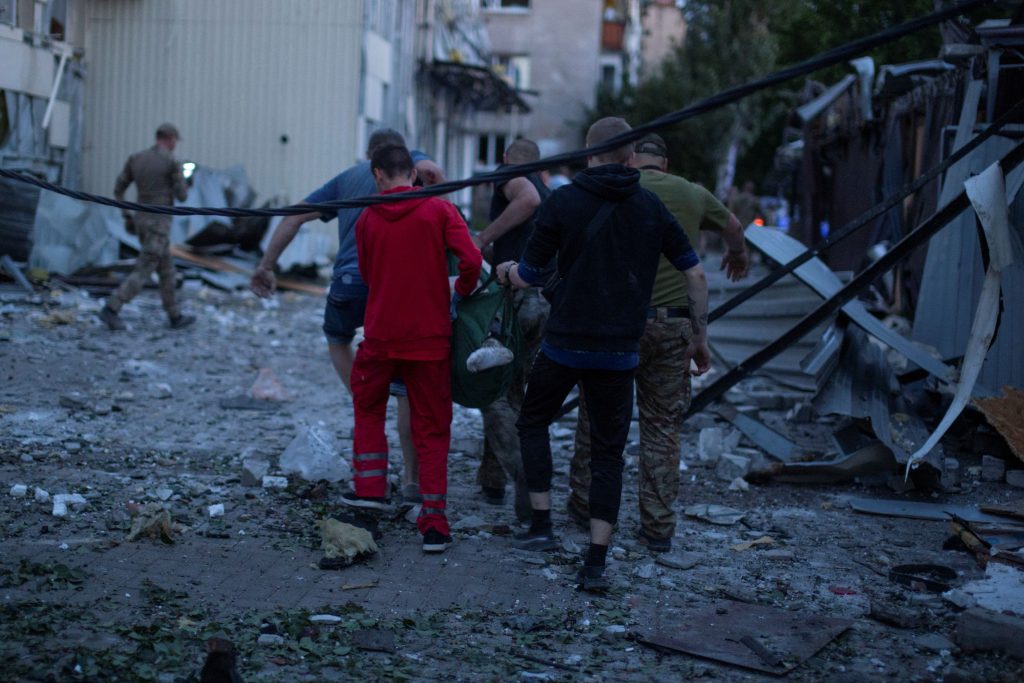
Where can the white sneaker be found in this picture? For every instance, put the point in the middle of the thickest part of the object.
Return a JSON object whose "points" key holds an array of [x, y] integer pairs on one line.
{"points": [[491, 354]]}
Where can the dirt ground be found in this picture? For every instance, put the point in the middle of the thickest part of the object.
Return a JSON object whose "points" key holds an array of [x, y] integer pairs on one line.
{"points": [[136, 418]]}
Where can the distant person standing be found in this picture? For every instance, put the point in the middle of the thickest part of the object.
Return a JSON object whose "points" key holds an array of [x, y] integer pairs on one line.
{"points": [[158, 179]]}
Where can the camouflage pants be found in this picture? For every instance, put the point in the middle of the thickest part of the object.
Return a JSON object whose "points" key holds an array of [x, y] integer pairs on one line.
{"points": [[663, 397], [154, 235], [501, 458]]}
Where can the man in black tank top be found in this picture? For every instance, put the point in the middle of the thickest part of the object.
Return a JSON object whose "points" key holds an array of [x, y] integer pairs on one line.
{"points": [[513, 207]]}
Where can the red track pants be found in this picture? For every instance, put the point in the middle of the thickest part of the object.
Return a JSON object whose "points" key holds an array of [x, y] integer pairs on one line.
{"points": [[430, 403]]}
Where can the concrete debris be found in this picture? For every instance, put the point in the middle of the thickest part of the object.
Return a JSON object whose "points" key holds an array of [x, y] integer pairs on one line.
{"points": [[934, 642], [1002, 589], [160, 390], [413, 513], [73, 400], [984, 630], [731, 467], [992, 468], [802, 412], [895, 616], [253, 471], [469, 522], [739, 484], [959, 599], [765, 438], [950, 473], [270, 639], [274, 482], [152, 521], [42, 495], [268, 388], [778, 554], [678, 559], [1015, 478], [63, 501], [164, 493], [709, 445], [325, 619], [715, 514], [646, 571], [19, 490], [215, 510], [313, 457]]}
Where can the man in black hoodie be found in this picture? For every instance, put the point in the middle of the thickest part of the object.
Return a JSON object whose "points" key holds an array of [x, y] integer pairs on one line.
{"points": [[608, 233]]}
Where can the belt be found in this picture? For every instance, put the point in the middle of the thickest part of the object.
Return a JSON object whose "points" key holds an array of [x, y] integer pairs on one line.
{"points": [[668, 312]]}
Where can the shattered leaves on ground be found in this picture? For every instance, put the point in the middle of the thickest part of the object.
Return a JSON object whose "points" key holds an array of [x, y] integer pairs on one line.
{"points": [[134, 425]]}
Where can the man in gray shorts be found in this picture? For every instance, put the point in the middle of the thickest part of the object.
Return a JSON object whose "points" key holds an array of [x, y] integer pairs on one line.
{"points": [[346, 299]]}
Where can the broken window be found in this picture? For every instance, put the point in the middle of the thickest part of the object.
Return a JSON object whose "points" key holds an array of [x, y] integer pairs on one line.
{"points": [[506, 4]]}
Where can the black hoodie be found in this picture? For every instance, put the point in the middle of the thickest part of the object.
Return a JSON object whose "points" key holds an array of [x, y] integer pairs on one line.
{"points": [[602, 304]]}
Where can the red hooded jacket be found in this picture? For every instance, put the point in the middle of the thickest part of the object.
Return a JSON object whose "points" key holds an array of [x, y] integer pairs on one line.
{"points": [[403, 260]]}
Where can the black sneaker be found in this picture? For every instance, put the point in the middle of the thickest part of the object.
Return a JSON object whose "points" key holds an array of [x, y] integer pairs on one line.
{"points": [[111, 319], [537, 541], [492, 495], [362, 518], [364, 501], [655, 545], [180, 321], [435, 542], [592, 580]]}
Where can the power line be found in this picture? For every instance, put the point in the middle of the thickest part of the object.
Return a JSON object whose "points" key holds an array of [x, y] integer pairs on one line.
{"points": [[728, 96]]}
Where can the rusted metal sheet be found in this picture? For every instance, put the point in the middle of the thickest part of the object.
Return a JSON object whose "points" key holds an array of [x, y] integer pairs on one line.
{"points": [[1006, 414]]}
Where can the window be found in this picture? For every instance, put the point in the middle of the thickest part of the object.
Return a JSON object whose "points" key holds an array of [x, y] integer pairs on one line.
{"points": [[507, 5], [490, 149], [9, 12], [515, 69]]}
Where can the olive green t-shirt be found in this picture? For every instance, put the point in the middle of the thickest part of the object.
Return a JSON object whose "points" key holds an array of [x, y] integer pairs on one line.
{"points": [[696, 209]]}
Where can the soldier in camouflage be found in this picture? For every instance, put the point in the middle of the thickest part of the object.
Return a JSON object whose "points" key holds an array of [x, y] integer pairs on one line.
{"points": [[158, 179], [513, 208], [663, 375]]}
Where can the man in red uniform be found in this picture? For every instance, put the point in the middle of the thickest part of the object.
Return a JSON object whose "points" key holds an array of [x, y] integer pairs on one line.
{"points": [[407, 331]]}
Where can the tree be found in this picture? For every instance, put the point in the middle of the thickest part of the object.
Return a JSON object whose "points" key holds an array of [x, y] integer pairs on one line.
{"points": [[729, 42]]}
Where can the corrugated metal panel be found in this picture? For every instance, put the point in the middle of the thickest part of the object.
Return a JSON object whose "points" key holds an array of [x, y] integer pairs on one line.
{"points": [[952, 283], [235, 76], [755, 323]]}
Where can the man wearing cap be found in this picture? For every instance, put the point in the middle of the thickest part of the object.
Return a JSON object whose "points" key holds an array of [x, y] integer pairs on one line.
{"points": [[663, 375], [158, 180]]}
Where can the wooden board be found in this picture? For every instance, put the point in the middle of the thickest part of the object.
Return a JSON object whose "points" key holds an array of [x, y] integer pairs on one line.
{"points": [[220, 266]]}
